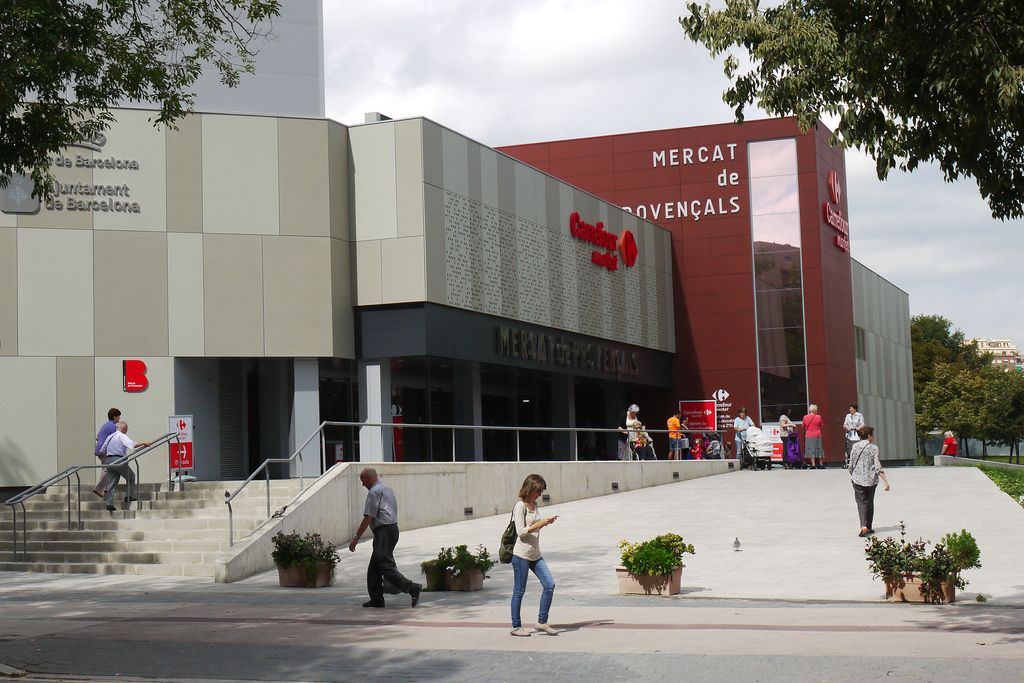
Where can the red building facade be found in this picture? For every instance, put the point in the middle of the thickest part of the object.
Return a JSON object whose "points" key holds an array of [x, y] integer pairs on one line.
{"points": [[763, 295]]}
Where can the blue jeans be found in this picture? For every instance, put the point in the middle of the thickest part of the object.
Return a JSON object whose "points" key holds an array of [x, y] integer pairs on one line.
{"points": [[520, 571]]}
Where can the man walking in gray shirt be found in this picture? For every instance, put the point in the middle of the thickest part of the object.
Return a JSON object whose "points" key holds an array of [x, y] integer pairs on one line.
{"points": [[381, 514]]}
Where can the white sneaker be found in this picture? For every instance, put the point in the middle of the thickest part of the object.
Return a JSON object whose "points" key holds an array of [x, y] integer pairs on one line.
{"points": [[544, 628], [520, 631]]}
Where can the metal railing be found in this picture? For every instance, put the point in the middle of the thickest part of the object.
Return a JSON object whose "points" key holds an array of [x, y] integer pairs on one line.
{"points": [[499, 428], [19, 499], [297, 455]]}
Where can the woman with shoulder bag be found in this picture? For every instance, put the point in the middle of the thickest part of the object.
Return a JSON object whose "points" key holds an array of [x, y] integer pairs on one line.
{"points": [[865, 471], [526, 556]]}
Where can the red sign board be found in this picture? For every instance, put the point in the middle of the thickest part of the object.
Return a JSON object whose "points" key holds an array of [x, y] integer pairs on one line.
{"points": [[133, 373], [700, 415], [611, 247], [181, 449]]}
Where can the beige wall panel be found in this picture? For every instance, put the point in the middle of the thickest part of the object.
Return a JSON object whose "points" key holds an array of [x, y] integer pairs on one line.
{"points": [[240, 184], [185, 175], [76, 432], [55, 293], [69, 174], [297, 296], [8, 292], [133, 138], [302, 151], [337, 140], [368, 273], [341, 299], [131, 278], [185, 302], [233, 294], [28, 401], [8, 220], [409, 152], [146, 412], [374, 180], [403, 277]]}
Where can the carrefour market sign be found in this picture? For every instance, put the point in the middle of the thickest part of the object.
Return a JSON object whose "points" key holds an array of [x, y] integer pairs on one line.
{"points": [[611, 247]]}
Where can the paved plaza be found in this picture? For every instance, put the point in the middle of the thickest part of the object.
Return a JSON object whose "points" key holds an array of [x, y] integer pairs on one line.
{"points": [[795, 603]]}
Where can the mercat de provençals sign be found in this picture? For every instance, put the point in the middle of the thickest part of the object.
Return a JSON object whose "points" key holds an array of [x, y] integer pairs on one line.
{"points": [[540, 347]]}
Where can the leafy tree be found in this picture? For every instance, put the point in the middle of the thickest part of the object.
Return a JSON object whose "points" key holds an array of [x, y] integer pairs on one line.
{"points": [[954, 399], [910, 82], [1002, 419], [934, 341], [64, 63]]}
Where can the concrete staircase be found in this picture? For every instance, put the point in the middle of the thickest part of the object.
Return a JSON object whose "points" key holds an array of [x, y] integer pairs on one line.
{"points": [[176, 533]]}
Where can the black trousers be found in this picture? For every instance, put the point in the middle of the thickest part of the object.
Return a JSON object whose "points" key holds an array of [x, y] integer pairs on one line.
{"points": [[865, 497], [382, 564]]}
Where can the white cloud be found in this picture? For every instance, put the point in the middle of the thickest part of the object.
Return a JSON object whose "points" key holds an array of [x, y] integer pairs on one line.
{"points": [[506, 73]]}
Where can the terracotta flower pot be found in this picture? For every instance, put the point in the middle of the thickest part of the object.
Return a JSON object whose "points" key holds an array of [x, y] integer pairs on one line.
{"points": [[908, 589], [469, 580], [630, 584], [295, 576]]}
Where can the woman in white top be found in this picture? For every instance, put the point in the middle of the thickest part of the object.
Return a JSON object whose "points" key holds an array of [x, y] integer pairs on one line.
{"points": [[526, 555]]}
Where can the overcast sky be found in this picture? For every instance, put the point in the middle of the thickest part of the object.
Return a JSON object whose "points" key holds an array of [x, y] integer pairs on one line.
{"points": [[534, 70]]}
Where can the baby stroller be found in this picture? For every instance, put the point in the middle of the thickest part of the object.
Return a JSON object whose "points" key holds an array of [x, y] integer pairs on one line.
{"points": [[759, 449]]}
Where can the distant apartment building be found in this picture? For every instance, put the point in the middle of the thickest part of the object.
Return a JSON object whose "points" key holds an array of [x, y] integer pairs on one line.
{"points": [[1005, 354]]}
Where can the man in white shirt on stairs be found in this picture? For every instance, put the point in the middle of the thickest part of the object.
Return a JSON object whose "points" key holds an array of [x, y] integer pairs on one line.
{"points": [[117, 446]]}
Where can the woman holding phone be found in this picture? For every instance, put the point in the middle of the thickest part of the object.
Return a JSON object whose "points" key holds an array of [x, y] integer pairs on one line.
{"points": [[526, 556]]}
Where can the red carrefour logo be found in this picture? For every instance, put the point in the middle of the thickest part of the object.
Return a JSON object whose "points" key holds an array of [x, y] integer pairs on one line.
{"points": [[835, 190], [627, 248]]}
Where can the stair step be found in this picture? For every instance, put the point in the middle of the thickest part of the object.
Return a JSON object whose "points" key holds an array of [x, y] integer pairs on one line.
{"points": [[110, 568], [98, 505], [115, 557], [127, 545]]}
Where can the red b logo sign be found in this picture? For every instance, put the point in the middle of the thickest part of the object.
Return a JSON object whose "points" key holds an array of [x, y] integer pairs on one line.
{"points": [[134, 376]]}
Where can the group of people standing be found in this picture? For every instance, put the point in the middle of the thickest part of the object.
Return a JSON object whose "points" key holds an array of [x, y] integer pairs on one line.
{"points": [[812, 456], [635, 441]]}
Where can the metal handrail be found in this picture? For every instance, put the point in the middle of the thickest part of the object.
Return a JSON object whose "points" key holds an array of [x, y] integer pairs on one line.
{"points": [[20, 498], [505, 428], [230, 496]]}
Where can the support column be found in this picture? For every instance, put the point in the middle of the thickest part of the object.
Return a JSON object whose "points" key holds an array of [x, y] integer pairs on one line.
{"points": [[375, 443], [563, 414], [469, 445], [305, 415]]}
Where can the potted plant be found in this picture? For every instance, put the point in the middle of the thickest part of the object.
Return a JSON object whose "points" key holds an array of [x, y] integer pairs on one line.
{"points": [[304, 561], [912, 573], [652, 567], [457, 569]]}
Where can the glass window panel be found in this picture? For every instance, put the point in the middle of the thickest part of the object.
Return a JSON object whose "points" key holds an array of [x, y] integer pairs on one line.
{"points": [[774, 194], [780, 308], [777, 270], [784, 386], [783, 346], [772, 157], [771, 413], [776, 232]]}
